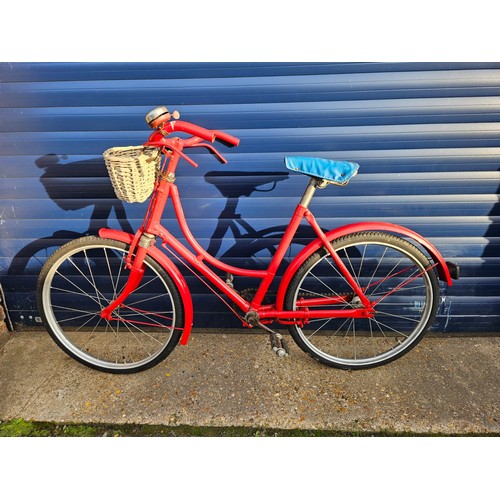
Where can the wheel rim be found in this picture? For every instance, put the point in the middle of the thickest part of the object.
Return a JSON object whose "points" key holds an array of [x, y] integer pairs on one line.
{"points": [[393, 279], [81, 283]]}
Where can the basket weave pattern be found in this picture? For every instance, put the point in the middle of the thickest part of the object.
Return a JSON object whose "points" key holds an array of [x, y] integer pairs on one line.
{"points": [[132, 171]]}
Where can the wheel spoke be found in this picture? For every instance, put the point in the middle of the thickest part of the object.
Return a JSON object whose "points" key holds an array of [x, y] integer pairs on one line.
{"points": [[85, 277], [78, 288], [388, 275], [389, 327], [320, 328], [65, 320], [380, 260], [330, 289], [152, 297], [91, 276], [397, 316]]}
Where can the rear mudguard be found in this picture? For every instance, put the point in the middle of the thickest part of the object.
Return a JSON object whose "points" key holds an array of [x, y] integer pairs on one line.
{"points": [[156, 254], [442, 268]]}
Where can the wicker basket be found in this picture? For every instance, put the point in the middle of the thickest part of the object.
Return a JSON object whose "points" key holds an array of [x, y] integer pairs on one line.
{"points": [[132, 171]]}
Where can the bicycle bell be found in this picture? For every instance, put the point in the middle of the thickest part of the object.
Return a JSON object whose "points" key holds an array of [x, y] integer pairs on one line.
{"points": [[160, 115]]}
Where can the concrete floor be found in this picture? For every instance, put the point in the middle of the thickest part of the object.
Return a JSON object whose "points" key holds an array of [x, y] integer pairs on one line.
{"points": [[445, 385]]}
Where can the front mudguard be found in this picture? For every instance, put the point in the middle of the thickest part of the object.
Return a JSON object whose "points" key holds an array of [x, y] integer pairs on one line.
{"points": [[441, 265], [156, 254]]}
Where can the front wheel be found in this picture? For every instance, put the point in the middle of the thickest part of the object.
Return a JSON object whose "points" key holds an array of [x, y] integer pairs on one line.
{"points": [[82, 278], [397, 279]]}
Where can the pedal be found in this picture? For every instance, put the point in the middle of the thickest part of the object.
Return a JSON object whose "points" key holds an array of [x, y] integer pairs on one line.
{"points": [[278, 344]]}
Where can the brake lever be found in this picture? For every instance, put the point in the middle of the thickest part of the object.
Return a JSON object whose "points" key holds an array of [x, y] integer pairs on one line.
{"points": [[173, 148], [212, 150]]}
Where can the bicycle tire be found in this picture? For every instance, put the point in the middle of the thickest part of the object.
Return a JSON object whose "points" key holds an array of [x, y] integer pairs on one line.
{"points": [[393, 273], [84, 276]]}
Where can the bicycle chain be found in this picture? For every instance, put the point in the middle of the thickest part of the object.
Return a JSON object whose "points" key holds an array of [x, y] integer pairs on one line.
{"points": [[248, 294]]}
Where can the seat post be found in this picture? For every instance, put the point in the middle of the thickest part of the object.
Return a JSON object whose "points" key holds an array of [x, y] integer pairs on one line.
{"points": [[309, 192]]}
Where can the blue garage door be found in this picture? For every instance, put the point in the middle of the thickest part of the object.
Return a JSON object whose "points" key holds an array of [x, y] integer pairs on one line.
{"points": [[427, 137]]}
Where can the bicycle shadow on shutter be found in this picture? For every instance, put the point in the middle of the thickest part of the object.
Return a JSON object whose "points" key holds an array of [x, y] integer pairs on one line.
{"points": [[72, 186], [77, 185], [253, 248]]}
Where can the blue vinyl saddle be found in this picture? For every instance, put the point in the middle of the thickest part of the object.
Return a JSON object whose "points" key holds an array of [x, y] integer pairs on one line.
{"points": [[335, 171]]}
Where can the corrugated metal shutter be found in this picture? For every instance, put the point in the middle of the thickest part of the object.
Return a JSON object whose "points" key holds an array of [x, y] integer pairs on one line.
{"points": [[427, 137]]}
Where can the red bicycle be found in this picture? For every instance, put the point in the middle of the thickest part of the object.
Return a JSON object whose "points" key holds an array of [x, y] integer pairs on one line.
{"points": [[355, 297]]}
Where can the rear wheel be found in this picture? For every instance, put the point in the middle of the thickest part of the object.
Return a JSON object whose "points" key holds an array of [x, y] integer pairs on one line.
{"points": [[82, 278], [395, 276]]}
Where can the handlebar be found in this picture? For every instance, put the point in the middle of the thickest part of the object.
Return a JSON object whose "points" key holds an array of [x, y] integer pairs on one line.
{"points": [[189, 128], [159, 120], [203, 133]]}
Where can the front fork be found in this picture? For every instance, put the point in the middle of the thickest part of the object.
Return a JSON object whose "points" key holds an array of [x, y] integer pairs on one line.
{"points": [[136, 266]]}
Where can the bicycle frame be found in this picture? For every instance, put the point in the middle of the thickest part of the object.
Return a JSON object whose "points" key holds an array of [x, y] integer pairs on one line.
{"points": [[167, 189], [142, 244]]}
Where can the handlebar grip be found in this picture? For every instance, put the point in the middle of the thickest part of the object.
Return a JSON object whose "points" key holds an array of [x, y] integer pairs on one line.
{"points": [[226, 138]]}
